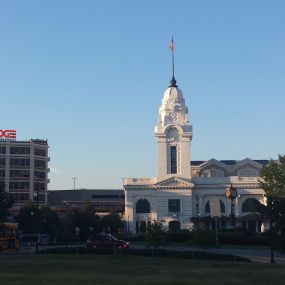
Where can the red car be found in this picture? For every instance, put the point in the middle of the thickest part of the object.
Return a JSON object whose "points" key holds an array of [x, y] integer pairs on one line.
{"points": [[106, 240]]}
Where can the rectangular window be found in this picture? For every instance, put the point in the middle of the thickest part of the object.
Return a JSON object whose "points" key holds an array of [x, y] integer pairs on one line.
{"points": [[2, 173], [14, 185], [42, 198], [174, 205], [39, 163], [20, 173], [2, 162], [40, 152], [19, 162], [173, 160], [2, 149], [24, 196], [20, 197], [39, 187], [19, 150], [39, 175]]}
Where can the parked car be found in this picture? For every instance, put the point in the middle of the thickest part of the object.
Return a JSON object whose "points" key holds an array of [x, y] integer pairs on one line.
{"points": [[27, 240], [106, 240]]}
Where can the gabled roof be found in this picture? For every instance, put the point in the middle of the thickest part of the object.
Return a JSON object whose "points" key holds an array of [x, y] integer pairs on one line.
{"points": [[229, 162], [215, 163], [247, 161]]}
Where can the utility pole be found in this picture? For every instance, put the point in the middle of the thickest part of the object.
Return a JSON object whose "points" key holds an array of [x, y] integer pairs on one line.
{"points": [[74, 178], [37, 205]]}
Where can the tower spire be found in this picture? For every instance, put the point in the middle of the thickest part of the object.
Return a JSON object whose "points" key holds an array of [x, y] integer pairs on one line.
{"points": [[172, 81]]}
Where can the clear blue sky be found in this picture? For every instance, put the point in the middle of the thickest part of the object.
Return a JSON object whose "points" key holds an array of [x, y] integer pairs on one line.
{"points": [[89, 76]]}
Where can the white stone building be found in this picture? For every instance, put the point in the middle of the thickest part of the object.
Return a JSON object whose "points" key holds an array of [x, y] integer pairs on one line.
{"points": [[186, 192]]}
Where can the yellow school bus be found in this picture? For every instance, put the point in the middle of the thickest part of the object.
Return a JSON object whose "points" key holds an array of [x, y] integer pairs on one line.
{"points": [[9, 237]]}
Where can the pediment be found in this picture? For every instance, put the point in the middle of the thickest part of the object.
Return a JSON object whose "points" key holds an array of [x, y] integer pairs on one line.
{"points": [[247, 163], [213, 163], [175, 182]]}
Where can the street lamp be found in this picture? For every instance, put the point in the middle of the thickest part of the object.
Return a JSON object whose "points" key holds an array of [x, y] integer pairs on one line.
{"points": [[231, 193]]}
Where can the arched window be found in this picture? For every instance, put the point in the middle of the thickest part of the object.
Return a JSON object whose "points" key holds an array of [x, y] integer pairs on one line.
{"points": [[142, 206], [250, 205], [222, 207]]}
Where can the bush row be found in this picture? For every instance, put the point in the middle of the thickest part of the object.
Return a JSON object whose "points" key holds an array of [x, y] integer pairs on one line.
{"points": [[227, 237]]}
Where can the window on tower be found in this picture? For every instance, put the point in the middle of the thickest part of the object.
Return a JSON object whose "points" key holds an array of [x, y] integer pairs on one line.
{"points": [[173, 160]]}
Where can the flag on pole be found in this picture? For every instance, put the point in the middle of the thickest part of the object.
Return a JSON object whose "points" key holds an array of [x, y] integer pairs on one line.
{"points": [[171, 45]]}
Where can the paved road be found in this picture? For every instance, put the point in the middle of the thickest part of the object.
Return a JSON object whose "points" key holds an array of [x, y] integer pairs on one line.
{"points": [[255, 255]]}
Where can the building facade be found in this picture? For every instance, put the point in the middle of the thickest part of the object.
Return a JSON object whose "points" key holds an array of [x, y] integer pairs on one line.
{"points": [[24, 169], [104, 201], [185, 192]]}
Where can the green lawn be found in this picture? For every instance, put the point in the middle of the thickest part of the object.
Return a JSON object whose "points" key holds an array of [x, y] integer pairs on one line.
{"points": [[105, 270]]}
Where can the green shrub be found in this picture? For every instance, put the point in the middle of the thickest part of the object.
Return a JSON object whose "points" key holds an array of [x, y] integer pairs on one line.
{"points": [[202, 238]]}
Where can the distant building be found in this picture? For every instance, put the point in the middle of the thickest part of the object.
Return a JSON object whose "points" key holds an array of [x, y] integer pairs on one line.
{"points": [[103, 201], [188, 192], [24, 169]]}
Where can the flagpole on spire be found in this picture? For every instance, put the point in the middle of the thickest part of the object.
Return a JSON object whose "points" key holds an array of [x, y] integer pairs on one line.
{"points": [[173, 81], [172, 57]]}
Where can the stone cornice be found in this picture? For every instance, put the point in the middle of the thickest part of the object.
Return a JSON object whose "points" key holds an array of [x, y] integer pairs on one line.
{"points": [[217, 186], [146, 187]]}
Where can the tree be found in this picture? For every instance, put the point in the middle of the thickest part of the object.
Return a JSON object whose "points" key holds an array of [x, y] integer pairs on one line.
{"points": [[112, 223], [6, 202], [273, 183], [86, 220], [27, 218], [156, 235], [48, 222], [65, 231], [78, 224], [32, 220]]}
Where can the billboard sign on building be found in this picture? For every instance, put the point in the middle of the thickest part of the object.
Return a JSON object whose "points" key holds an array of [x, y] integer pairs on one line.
{"points": [[7, 134]]}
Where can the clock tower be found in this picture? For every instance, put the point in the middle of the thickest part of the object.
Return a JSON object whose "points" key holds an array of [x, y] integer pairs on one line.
{"points": [[173, 135]]}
